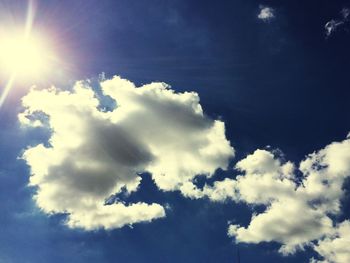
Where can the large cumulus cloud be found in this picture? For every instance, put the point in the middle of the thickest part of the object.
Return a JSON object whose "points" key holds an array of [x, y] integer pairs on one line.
{"points": [[300, 202], [93, 153], [299, 209]]}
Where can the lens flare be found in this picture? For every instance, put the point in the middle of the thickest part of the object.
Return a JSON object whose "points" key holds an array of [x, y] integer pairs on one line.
{"points": [[23, 55]]}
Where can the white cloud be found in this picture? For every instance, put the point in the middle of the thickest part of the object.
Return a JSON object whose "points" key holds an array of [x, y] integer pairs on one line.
{"points": [[336, 247], [345, 12], [297, 213], [291, 223], [266, 13], [334, 24], [298, 210], [93, 154]]}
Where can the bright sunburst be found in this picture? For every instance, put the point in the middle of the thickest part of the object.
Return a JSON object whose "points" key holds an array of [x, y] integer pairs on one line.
{"points": [[25, 56]]}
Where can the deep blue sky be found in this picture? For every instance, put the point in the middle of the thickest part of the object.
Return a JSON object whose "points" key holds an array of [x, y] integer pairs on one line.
{"points": [[280, 83]]}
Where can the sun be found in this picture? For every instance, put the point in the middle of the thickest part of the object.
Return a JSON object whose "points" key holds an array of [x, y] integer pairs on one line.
{"points": [[26, 56]]}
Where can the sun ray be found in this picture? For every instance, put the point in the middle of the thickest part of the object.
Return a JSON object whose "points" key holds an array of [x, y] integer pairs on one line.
{"points": [[22, 54], [30, 17], [7, 89]]}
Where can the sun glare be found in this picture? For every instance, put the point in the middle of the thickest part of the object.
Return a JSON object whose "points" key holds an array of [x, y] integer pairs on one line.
{"points": [[25, 56]]}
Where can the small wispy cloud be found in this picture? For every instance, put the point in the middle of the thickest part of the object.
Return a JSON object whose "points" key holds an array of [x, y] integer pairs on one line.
{"points": [[345, 12], [335, 24], [266, 13], [332, 25]]}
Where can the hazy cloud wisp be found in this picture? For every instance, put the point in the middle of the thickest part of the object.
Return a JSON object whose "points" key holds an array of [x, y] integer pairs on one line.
{"points": [[335, 24]]}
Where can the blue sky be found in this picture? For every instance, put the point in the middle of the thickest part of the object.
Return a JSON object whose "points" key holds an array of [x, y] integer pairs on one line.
{"points": [[277, 82]]}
